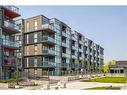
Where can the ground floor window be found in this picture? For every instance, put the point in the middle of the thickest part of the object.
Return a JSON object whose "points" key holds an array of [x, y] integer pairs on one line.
{"points": [[111, 71], [121, 71]]}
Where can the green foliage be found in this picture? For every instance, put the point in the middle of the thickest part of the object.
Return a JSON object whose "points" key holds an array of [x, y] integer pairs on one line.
{"points": [[106, 65], [13, 80], [108, 80], [103, 88]]}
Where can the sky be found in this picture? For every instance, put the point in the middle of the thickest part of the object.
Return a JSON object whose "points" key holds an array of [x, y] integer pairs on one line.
{"points": [[105, 25]]}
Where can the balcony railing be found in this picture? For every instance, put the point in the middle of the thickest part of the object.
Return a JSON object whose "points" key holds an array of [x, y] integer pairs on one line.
{"points": [[80, 49], [63, 33], [73, 65], [63, 65], [10, 43], [48, 26], [74, 47], [48, 64], [73, 38], [47, 38], [12, 8], [73, 56], [9, 62], [63, 54], [49, 51], [63, 44], [101, 56], [80, 58], [11, 25]]}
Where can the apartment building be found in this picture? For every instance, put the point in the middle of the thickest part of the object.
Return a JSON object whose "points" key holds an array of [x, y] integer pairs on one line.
{"points": [[93, 56], [8, 46], [50, 45]]}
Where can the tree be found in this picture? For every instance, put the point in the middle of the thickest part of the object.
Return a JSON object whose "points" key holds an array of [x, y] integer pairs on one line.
{"points": [[106, 65]]}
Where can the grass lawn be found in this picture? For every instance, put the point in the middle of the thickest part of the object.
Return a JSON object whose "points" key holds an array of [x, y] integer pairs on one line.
{"points": [[71, 74], [108, 80], [103, 88]]}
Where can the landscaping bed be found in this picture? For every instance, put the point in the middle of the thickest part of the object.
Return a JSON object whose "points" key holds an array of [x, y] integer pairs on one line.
{"points": [[13, 80], [108, 80]]}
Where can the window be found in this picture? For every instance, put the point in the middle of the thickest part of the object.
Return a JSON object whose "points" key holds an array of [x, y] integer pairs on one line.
{"points": [[27, 62], [35, 24], [35, 37], [27, 39], [35, 61], [121, 71], [35, 49], [27, 27]]}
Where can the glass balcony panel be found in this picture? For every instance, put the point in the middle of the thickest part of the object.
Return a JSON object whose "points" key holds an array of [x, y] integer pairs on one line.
{"points": [[9, 62], [49, 51], [10, 43], [47, 38], [11, 25], [73, 65], [63, 44], [12, 8], [63, 54], [48, 64], [63, 33], [73, 47], [48, 26], [64, 65]]}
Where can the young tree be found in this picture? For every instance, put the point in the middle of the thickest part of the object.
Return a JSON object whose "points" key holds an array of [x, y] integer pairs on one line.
{"points": [[106, 65]]}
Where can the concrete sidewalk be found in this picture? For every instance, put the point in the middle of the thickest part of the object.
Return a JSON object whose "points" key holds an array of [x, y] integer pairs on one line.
{"points": [[84, 85]]}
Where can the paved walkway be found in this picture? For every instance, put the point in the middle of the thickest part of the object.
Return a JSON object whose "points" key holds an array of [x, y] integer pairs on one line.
{"points": [[84, 85], [72, 85]]}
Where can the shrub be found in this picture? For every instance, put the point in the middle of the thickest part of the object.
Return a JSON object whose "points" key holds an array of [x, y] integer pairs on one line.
{"points": [[13, 80]]}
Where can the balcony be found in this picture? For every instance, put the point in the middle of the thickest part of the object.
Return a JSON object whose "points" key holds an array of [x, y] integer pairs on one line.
{"points": [[48, 52], [63, 54], [73, 38], [73, 65], [63, 34], [80, 41], [11, 11], [101, 56], [48, 28], [74, 48], [80, 49], [63, 65], [87, 52], [10, 44], [80, 65], [74, 57], [63, 44], [48, 64], [9, 62], [86, 44], [80, 58], [48, 40], [10, 27]]}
